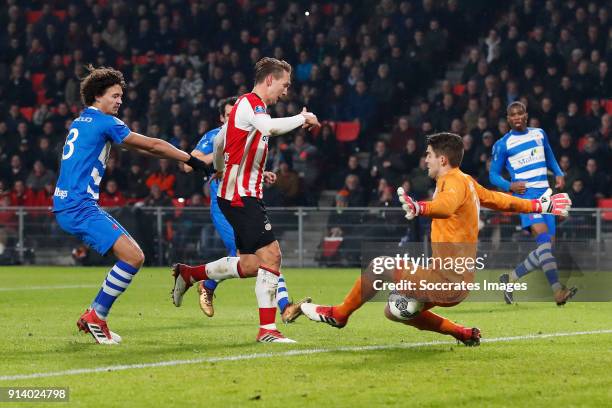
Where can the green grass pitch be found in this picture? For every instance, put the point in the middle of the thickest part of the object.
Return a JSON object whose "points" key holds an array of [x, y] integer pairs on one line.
{"points": [[39, 307]]}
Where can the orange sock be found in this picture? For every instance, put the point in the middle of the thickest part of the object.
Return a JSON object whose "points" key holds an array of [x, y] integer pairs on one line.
{"points": [[359, 294], [428, 320]]}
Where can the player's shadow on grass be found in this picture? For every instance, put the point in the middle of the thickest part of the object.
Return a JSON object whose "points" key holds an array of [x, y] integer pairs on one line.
{"points": [[380, 359]]}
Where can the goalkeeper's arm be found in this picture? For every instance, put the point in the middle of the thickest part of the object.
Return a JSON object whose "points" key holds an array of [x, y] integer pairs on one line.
{"points": [[446, 203], [557, 204]]}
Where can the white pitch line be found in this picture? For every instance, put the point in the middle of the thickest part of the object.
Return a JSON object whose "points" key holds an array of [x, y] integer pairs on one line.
{"points": [[50, 287], [283, 354]]}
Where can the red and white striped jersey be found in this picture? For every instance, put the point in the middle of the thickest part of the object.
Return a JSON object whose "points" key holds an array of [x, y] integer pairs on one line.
{"points": [[245, 151]]}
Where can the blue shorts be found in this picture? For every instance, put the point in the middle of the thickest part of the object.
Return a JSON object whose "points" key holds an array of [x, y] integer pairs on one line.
{"points": [[222, 226], [92, 225], [527, 220]]}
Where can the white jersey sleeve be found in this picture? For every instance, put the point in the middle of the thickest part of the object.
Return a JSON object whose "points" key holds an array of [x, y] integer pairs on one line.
{"points": [[247, 119], [218, 146]]}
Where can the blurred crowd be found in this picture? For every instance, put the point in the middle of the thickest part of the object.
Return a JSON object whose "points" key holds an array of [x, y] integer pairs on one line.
{"points": [[366, 62], [357, 62]]}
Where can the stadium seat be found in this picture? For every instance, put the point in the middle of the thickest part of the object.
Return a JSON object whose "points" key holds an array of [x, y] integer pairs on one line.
{"points": [[139, 60], [605, 203], [328, 9], [458, 89], [61, 14], [37, 81], [41, 97], [33, 16], [330, 247], [162, 59], [27, 112], [581, 142], [347, 131]]}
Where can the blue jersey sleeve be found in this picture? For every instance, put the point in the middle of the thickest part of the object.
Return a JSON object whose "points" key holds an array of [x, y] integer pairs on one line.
{"points": [[205, 145], [497, 165], [551, 161], [116, 131]]}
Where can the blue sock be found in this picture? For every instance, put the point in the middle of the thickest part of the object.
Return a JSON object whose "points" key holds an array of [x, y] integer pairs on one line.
{"points": [[211, 284], [116, 282], [282, 296], [529, 264], [548, 262]]}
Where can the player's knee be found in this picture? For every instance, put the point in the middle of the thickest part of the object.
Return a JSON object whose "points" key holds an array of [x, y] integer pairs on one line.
{"points": [[271, 256], [277, 257], [136, 258], [249, 265]]}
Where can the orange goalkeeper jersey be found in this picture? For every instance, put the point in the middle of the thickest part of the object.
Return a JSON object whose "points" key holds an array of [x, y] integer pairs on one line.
{"points": [[455, 207]]}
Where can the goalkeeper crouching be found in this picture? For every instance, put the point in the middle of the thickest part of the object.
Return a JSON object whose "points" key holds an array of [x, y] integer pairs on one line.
{"points": [[455, 209]]}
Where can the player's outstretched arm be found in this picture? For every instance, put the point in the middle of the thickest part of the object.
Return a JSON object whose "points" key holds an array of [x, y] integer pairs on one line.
{"points": [[162, 149], [557, 204], [279, 126]]}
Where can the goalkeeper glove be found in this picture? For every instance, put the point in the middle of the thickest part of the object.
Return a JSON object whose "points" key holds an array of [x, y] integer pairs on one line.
{"points": [[557, 204], [412, 208]]}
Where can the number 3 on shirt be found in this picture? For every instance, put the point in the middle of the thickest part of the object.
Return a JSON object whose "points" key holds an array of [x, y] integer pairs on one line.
{"points": [[72, 137]]}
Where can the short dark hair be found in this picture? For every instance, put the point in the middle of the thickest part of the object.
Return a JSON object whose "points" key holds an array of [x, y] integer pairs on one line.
{"points": [[516, 104], [98, 81], [267, 66], [449, 145], [224, 102]]}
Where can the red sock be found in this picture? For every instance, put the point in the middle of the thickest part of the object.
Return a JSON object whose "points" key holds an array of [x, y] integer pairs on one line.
{"points": [[267, 318], [196, 273]]}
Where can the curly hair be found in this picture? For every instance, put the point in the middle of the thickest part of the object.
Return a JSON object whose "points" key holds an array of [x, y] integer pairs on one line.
{"points": [[98, 81]]}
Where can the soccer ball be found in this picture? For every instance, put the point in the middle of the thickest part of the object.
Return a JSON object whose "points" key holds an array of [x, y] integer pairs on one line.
{"points": [[404, 307]]}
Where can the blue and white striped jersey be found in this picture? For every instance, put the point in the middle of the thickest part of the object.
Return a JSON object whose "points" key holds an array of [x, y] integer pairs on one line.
{"points": [[527, 156], [84, 158]]}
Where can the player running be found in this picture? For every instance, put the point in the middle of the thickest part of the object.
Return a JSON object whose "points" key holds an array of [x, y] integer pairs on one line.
{"points": [[454, 231], [204, 151], [526, 153], [75, 199], [244, 147]]}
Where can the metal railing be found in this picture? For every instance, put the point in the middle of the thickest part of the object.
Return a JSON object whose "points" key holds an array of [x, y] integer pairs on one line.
{"points": [[309, 236]]}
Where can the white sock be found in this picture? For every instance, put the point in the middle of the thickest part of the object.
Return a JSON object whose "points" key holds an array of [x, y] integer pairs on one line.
{"points": [[224, 268], [265, 291]]}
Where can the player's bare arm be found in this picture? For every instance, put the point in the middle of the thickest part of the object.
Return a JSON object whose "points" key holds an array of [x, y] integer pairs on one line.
{"points": [[279, 126], [160, 148]]}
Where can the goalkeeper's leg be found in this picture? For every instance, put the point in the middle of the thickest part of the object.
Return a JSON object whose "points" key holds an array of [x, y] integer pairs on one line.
{"points": [[362, 291], [428, 320]]}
